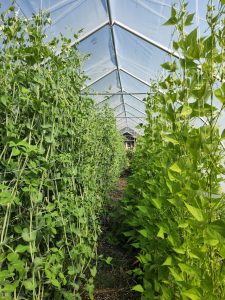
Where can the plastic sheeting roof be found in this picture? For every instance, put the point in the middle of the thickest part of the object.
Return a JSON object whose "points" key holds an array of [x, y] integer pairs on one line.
{"points": [[127, 43]]}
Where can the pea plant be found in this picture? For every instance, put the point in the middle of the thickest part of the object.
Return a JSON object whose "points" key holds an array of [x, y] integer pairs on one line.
{"points": [[174, 208], [59, 157]]}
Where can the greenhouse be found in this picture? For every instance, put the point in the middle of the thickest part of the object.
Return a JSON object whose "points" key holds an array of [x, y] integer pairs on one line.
{"points": [[112, 148]]}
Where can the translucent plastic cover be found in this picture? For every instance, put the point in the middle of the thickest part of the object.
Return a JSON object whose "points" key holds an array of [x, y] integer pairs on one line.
{"points": [[127, 43]]}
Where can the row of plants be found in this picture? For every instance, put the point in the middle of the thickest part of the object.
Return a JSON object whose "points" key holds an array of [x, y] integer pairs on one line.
{"points": [[174, 209], [59, 157]]}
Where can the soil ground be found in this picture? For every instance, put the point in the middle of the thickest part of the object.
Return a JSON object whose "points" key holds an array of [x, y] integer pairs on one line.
{"points": [[112, 281]]}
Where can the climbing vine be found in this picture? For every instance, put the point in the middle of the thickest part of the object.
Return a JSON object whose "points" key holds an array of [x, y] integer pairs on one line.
{"points": [[174, 207], [59, 156]]}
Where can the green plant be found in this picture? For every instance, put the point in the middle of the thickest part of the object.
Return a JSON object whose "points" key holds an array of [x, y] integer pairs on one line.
{"points": [[175, 206], [59, 157]]}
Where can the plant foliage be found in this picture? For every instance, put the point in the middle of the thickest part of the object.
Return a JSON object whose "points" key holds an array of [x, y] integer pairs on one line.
{"points": [[174, 207], [59, 156]]}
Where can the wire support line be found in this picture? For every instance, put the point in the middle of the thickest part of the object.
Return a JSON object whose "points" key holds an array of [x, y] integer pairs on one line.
{"points": [[113, 94], [130, 117]]}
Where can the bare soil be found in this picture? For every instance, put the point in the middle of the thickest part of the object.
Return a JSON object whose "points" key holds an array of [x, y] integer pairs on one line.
{"points": [[112, 281]]}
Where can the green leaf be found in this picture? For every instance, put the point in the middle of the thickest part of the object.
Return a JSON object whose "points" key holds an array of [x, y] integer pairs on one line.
{"points": [[25, 91], [187, 269], [183, 225], [168, 261], [15, 151], [173, 19], [175, 168], [143, 232], [192, 294], [4, 274], [161, 232], [189, 19], [29, 284], [28, 236], [12, 256], [171, 139], [6, 198], [108, 260], [157, 203], [220, 95], [192, 38], [10, 288], [195, 212], [21, 248], [169, 66], [36, 196], [176, 275], [55, 282], [138, 288], [4, 100], [186, 111], [223, 135], [179, 250], [143, 209]]}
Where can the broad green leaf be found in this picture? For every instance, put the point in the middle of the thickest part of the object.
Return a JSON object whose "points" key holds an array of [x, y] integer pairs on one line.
{"points": [[223, 135], [183, 225], [187, 269], [25, 91], [157, 203], [168, 138], [144, 259], [55, 282], [143, 232], [4, 100], [195, 212], [189, 19], [6, 198], [169, 66], [173, 19], [21, 248], [28, 236], [221, 250], [12, 256], [161, 232], [169, 186], [93, 271], [36, 196], [143, 209], [4, 274], [168, 261], [186, 111], [15, 151], [220, 95], [192, 38], [176, 275], [171, 177], [38, 261], [29, 284], [179, 250], [192, 294], [10, 288], [138, 288], [108, 260], [175, 168]]}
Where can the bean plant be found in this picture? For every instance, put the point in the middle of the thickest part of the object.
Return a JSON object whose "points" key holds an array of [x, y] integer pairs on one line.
{"points": [[59, 157], [174, 209]]}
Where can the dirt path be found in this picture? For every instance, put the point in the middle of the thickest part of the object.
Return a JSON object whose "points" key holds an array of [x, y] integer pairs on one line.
{"points": [[112, 281]]}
